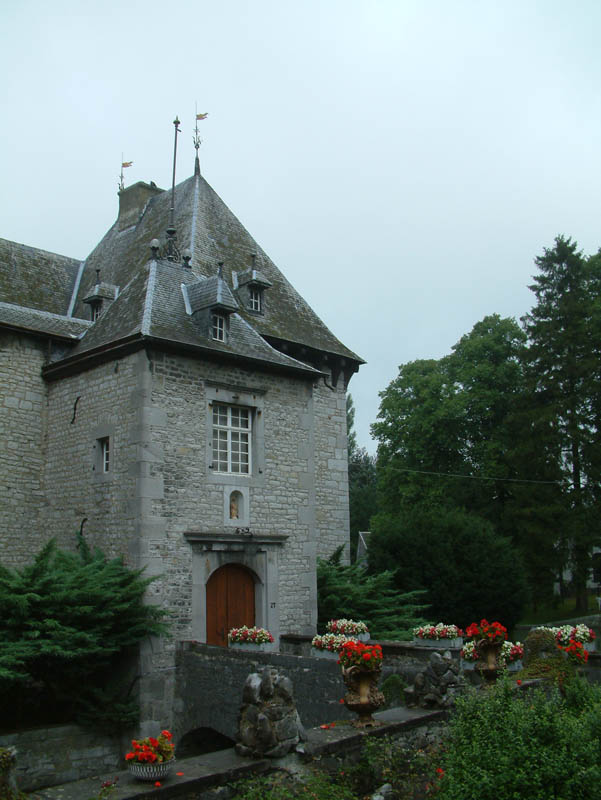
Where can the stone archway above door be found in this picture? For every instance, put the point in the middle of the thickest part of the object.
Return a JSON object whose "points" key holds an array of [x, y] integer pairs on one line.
{"points": [[258, 553]]}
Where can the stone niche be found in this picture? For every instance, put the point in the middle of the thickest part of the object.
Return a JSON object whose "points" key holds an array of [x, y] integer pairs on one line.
{"points": [[269, 724]]}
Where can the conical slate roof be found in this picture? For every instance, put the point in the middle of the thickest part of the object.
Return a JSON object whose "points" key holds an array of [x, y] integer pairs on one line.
{"points": [[212, 234]]}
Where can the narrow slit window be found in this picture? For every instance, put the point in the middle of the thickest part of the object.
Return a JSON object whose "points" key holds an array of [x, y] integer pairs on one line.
{"points": [[105, 454]]}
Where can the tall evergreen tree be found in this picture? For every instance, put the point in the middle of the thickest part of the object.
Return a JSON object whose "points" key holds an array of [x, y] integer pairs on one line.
{"points": [[563, 358]]}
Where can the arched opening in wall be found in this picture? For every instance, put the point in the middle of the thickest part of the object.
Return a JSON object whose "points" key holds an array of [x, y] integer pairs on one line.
{"points": [[230, 602], [236, 505], [200, 741]]}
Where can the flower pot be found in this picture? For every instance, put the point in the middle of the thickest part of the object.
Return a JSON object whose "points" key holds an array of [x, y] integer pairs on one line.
{"points": [[439, 644], [251, 647], [589, 647], [467, 665], [362, 637], [143, 771], [363, 696], [331, 654], [515, 666]]}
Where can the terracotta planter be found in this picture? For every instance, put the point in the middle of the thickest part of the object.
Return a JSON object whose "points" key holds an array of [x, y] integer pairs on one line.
{"points": [[363, 696], [488, 665], [144, 771]]}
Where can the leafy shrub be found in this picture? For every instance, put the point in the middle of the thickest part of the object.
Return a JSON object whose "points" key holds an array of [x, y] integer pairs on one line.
{"points": [[393, 689], [504, 745], [66, 623], [348, 591], [467, 570]]}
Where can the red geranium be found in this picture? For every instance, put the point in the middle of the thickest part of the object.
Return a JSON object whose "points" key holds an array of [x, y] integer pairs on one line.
{"points": [[357, 654], [487, 631], [150, 749]]}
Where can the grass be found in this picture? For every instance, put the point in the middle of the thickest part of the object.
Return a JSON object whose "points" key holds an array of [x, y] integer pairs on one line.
{"points": [[563, 609]]}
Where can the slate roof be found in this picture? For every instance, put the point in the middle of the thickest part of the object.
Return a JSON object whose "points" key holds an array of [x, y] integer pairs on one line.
{"points": [[212, 233], [153, 302], [34, 278], [30, 319], [150, 301]]}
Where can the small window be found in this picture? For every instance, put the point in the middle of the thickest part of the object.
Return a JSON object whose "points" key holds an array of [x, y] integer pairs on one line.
{"points": [[105, 454], [218, 327], [254, 302], [95, 310], [231, 439]]}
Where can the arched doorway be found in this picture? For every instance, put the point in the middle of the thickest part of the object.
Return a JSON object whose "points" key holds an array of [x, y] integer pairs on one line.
{"points": [[230, 602]]}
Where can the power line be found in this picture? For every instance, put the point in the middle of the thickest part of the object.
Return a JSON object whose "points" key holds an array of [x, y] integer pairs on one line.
{"points": [[474, 477]]}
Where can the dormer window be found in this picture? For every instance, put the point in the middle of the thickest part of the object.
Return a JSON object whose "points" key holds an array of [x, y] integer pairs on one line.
{"points": [[95, 310], [218, 327], [255, 299]]}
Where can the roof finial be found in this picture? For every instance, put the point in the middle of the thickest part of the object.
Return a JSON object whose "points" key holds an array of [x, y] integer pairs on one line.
{"points": [[197, 140], [172, 251], [220, 269], [124, 165]]}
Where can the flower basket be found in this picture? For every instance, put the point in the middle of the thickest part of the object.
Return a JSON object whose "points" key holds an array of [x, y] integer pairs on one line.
{"points": [[575, 633], [328, 645], [150, 772], [250, 638], [438, 636], [252, 647], [489, 632], [349, 628], [151, 759]]}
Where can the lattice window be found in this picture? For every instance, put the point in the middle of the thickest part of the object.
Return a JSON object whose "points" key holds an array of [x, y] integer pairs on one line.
{"points": [[232, 429]]}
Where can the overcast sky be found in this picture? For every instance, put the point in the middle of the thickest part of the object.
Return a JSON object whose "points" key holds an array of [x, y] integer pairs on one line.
{"points": [[401, 161]]}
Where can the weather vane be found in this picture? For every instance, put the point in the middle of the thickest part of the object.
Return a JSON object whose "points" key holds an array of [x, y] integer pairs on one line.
{"points": [[197, 140], [124, 165]]}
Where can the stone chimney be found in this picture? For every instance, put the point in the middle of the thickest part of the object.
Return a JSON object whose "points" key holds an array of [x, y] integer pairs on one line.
{"points": [[132, 202]]}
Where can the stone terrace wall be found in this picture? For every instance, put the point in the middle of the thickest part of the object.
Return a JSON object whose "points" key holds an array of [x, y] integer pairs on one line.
{"points": [[211, 679], [62, 753], [22, 445]]}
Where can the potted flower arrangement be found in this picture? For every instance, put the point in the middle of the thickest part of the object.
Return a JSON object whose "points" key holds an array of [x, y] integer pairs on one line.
{"points": [[575, 651], [254, 638], [357, 654], [437, 635], [361, 667], [328, 645], [151, 759], [488, 638], [511, 656], [577, 633], [469, 655], [349, 628]]}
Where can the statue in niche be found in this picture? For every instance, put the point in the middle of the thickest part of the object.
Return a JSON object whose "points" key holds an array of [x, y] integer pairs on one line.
{"points": [[235, 505]]}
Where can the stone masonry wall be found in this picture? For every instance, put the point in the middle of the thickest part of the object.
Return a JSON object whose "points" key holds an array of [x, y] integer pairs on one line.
{"points": [[22, 445], [101, 402], [331, 470], [62, 753]]}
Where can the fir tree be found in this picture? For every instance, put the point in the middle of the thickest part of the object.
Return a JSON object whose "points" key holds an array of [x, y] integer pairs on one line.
{"points": [[66, 623]]}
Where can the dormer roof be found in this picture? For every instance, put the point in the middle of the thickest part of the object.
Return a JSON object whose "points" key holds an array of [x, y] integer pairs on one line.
{"points": [[211, 293]]}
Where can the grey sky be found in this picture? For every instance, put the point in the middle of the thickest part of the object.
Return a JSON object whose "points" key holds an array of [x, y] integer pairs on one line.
{"points": [[401, 162]]}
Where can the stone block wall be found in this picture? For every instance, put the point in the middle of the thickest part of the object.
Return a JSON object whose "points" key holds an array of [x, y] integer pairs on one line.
{"points": [[62, 753], [211, 679], [22, 445], [100, 402]]}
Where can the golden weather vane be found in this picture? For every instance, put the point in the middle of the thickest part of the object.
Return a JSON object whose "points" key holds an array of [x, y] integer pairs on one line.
{"points": [[124, 165]]}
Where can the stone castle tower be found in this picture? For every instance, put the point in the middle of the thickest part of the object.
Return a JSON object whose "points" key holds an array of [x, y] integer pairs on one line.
{"points": [[177, 399]]}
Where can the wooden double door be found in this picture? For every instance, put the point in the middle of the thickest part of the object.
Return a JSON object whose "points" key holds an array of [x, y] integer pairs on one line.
{"points": [[230, 602]]}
